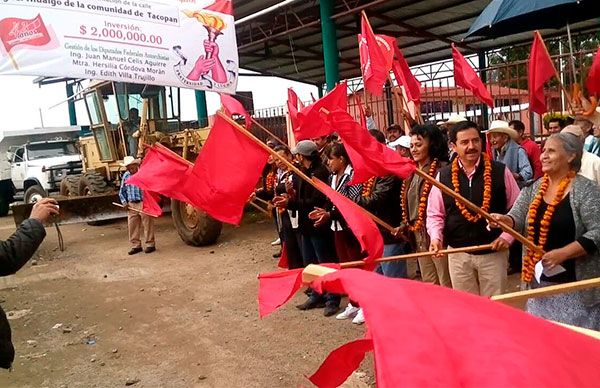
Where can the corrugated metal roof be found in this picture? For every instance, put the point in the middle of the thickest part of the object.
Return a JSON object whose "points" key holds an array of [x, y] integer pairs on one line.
{"points": [[287, 42]]}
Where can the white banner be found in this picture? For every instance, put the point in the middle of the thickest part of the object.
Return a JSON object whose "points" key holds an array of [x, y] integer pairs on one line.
{"points": [[184, 43]]}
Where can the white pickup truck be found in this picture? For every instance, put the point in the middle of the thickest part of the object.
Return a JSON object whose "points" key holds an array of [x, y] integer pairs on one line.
{"points": [[37, 168]]}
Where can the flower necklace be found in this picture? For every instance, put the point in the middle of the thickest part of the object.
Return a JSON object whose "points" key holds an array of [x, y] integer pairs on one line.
{"points": [[367, 188], [422, 201], [531, 258], [270, 181], [487, 189]]}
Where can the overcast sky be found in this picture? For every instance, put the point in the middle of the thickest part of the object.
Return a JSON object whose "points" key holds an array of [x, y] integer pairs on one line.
{"points": [[21, 101]]}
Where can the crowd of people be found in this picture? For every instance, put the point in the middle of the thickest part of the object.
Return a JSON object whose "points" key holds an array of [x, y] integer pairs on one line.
{"points": [[549, 194]]}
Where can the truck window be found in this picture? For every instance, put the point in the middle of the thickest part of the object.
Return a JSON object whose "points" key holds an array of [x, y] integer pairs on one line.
{"points": [[50, 150], [19, 155]]}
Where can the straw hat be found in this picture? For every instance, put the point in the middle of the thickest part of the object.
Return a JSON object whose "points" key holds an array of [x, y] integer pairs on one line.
{"points": [[500, 126], [129, 160], [453, 119]]}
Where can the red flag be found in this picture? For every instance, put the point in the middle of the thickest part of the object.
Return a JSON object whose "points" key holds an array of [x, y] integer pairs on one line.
{"points": [[293, 104], [151, 203], [466, 78], [359, 222], [341, 362], [374, 63], [361, 111], [405, 77], [15, 31], [541, 69], [312, 122], [276, 288], [497, 345], [222, 6], [162, 171], [593, 79], [234, 107], [283, 259], [369, 157], [225, 173]]}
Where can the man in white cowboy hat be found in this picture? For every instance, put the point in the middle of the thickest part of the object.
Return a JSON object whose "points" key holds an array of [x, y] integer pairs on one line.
{"points": [[505, 149], [401, 146], [131, 197]]}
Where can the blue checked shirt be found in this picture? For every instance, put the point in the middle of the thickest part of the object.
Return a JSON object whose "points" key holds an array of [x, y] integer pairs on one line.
{"points": [[129, 193]]}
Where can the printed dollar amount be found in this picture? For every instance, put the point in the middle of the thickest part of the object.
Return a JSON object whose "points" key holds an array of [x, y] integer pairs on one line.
{"points": [[112, 33]]}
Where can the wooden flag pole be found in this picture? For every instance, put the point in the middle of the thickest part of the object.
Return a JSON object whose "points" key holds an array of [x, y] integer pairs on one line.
{"points": [[260, 209], [12, 60], [416, 255], [547, 291], [268, 132], [295, 169], [135, 210]]}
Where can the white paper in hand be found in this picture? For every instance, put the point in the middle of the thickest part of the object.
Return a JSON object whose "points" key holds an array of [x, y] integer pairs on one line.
{"points": [[539, 270]]}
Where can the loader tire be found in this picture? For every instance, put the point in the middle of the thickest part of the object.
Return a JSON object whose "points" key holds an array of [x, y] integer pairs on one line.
{"points": [[93, 183], [69, 186], [194, 226]]}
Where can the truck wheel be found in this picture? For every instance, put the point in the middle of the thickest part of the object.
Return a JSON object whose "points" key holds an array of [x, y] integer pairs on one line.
{"points": [[93, 183], [69, 186], [194, 226], [34, 193]]}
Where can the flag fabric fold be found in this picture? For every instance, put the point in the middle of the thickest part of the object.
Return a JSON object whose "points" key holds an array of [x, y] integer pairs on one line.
{"points": [[374, 63], [233, 107], [466, 77], [592, 82], [361, 111], [405, 77], [369, 157], [359, 222], [517, 338], [222, 6], [294, 105], [276, 288], [225, 173], [283, 259], [541, 69], [341, 362], [312, 122]]}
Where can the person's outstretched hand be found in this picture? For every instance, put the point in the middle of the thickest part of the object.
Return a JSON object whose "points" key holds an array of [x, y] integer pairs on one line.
{"points": [[44, 209]]}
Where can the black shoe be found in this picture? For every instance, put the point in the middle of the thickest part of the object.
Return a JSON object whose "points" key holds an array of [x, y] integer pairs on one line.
{"points": [[149, 249], [310, 304], [307, 292], [277, 255], [133, 251], [331, 310]]}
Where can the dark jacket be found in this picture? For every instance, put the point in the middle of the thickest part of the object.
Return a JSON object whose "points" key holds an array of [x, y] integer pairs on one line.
{"points": [[458, 232], [14, 253], [384, 202], [307, 198]]}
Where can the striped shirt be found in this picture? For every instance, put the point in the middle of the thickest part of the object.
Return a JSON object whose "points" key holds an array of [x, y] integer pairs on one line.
{"points": [[349, 191], [129, 193]]}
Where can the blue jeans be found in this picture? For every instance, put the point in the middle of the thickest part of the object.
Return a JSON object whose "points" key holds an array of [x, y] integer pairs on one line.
{"points": [[394, 269], [319, 249]]}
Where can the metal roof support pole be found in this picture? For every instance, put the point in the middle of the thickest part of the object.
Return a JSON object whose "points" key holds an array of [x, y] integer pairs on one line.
{"points": [[201, 109], [320, 90], [71, 104], [483, 75], [331, 56]]}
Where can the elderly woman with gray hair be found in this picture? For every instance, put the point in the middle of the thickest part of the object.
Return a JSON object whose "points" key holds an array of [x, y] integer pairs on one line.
{"points": [[560, 212]]}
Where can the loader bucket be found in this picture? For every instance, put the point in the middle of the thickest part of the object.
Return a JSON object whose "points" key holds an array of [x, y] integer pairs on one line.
{"points": [[75, 210]]}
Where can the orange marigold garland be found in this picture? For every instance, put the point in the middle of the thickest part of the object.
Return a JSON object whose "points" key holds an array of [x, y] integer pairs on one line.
{"points": [[367, 188], [487, 189], [270, 181], [531, 258], [420, 221]]}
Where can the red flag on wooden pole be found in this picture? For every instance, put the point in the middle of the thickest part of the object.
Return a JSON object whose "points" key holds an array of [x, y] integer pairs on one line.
{"points": [[374, 64], [593, 79], [312, 123], [405, 77], [541, 69], [467, 78], [233, 107]]}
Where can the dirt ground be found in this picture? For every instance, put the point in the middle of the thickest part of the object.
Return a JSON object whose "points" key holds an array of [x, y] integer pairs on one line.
{"points": [[92, 316]]}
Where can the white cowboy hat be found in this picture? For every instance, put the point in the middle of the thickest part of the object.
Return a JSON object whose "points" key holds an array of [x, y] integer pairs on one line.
{"points": [[500, 126], [129, 160], [455, 118]]}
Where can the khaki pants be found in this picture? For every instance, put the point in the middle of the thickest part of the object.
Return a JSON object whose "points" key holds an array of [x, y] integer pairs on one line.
{"points": [[435, 271], [483, 275], [137, 221]]}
